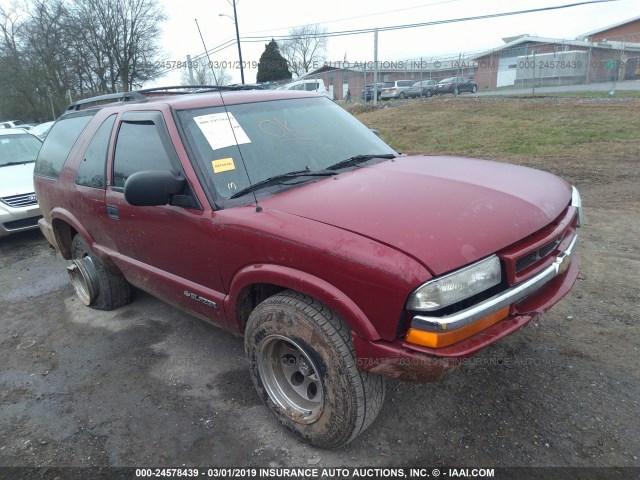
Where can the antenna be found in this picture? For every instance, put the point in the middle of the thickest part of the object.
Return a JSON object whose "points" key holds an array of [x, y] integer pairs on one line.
{"points": [[258, 207]]}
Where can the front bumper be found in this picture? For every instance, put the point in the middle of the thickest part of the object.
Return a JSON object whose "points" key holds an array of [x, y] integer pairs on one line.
{"points": [[499, 301], [18, 219], [410, 362]]}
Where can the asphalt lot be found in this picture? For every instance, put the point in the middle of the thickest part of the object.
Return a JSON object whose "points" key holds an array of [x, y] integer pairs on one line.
{"points": [[148, 385]]}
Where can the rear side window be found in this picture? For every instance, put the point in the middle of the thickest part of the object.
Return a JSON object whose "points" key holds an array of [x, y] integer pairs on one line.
{"points": [[405, 83], [60, 140], [139, 147], [93, 168]]}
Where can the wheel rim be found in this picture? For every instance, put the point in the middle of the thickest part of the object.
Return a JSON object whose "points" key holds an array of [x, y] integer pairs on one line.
{"points": [[291, 379], [82, 274]]}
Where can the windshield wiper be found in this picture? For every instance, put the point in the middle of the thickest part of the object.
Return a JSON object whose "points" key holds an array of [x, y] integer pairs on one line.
{"points": [[358, 159], [283, 176]]}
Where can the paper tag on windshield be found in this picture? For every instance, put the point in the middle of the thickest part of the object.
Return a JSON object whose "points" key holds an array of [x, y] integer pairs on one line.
{"points": [[221, 130], [223, 165]]}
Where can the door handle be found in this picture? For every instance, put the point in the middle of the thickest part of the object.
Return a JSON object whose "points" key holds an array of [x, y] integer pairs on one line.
{"points": [[113, 212]]}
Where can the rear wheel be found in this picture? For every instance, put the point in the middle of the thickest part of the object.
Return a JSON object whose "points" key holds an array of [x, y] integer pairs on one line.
{"points": [[474, 89], [429, 93], [402, 96], [303, 366], [95, 285]]}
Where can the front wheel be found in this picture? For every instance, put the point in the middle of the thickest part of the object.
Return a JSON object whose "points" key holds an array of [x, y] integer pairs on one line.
{"points": [[474, 89], [303, 366]]}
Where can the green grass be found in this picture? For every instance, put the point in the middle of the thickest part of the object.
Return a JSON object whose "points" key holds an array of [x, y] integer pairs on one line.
{"points": [[510, 129], [618, 94]]}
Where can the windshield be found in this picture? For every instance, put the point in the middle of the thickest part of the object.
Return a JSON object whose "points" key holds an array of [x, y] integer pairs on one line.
{"points": [[16, 149], [273, 138]]}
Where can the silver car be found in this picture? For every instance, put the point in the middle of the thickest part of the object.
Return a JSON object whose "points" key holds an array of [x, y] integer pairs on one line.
{"points": [[425, 88], [18, 204], [397, 90]]}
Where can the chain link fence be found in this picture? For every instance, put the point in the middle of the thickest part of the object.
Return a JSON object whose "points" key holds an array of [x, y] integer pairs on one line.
{"points": [[522, 62]]}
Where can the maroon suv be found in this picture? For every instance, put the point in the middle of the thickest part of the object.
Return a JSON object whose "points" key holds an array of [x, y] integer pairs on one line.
{"points": [[281, 218]]}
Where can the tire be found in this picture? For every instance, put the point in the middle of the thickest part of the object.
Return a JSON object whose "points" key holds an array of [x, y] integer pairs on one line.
{"points": [[429, 93], [95, 285], [293, 341], [402, 96], [456, 91], [474, 89]]}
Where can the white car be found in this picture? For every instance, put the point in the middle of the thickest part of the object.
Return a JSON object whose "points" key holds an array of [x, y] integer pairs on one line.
{"points": [[309, 85], [11, 123], [18, 203]]}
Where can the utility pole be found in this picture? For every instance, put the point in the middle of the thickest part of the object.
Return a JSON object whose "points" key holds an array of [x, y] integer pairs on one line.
{"points": [[192, 81], [235, 17], [375, 67]]}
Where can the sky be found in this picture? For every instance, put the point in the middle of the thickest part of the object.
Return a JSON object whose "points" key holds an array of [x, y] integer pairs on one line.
{"points": [[275, 17]]}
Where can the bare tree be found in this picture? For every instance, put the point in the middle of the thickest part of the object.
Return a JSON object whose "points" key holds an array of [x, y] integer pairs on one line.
{"points": [[33, 53], [305, 48], [50, 49], [203, 75], [120, 38]]}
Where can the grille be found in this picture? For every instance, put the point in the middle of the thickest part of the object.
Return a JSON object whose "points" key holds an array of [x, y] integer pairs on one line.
{"points": [[23, 200], [24, 223], [536, 255]]}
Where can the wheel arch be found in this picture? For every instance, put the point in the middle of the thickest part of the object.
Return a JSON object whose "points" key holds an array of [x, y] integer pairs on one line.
{"points": [[65, 226], [255, 283]]}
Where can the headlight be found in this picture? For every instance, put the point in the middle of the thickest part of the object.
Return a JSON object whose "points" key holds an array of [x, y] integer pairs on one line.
{"points": [[576, 201], [454, 287]]}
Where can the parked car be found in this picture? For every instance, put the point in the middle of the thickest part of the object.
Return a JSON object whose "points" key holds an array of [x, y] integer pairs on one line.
{"points": [[397, 89], [308, 85], [424, 88], [456, 85], [18, 203], [41, 130], [11, 123], [367, 95], [280, 217]]}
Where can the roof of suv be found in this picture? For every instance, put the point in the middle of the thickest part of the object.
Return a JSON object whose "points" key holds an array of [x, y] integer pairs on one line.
{"points": [[206, 96]]}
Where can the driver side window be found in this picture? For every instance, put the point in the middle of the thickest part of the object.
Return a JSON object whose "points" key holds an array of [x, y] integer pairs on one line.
{"points": [[139, 147]]}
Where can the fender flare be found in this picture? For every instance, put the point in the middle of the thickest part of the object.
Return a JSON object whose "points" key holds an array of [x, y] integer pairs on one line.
{"points": [[302, 282], [61, 215]]}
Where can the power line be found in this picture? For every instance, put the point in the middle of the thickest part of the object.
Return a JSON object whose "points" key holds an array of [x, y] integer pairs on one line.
{"points": [[437, 22], [257, 39]]}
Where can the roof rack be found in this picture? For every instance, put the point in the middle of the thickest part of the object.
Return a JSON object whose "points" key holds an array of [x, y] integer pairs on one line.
{"points": [[188, 89], [141, 95], [121, 97]]}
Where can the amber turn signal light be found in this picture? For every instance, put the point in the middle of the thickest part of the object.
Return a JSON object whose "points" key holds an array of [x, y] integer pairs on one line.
{"points": [[444, 339]]}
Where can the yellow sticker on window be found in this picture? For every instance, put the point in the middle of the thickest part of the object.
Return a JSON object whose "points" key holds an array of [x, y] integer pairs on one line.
{"points": [[223, 165]]}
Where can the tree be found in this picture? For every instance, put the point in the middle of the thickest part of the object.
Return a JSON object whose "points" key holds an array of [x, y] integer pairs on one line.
{"points": [[203, 75], [272, 65], [305, 49], [53, 49], [122, 38]]}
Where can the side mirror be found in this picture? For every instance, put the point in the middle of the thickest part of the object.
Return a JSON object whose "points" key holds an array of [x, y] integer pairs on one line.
{"points": [[151, 187], [375, 132]]}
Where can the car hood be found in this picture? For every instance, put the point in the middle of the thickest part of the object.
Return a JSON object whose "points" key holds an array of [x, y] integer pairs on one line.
{"points": [[444, 212], [16, 179]]}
